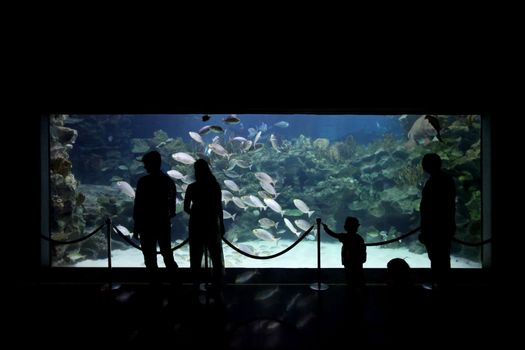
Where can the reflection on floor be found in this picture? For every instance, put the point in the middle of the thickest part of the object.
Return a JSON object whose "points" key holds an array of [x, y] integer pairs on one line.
{"points": [[263, 316]]}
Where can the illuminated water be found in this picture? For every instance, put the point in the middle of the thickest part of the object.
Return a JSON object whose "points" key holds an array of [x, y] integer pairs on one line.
{"points": [[336, 165]]}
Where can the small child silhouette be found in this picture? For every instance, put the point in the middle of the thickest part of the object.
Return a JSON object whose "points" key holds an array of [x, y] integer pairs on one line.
{"points": [[353, 252]]}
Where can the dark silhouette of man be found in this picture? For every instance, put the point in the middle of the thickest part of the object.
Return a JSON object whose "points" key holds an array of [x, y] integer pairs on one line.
{"points": [[203, 202], [438, 218], [154, 207], [353, 252]]}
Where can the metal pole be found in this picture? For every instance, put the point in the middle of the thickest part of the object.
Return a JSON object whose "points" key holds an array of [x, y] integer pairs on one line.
{"points": [[319, 285], [206, 266], [108, 237], [110, 285], [318, 220], [204, 285]]}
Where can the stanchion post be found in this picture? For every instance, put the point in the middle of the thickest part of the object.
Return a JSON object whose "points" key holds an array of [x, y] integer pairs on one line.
{"points": [[319, 286], [108, 237], [110, 285], [204, 285]]}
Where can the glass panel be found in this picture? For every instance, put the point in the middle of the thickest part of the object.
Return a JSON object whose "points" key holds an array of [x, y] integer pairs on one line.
{"points": [[278, 174]]}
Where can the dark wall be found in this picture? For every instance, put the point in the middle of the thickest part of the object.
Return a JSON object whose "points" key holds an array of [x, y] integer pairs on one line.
{"points": [[506, 202], [21, 196]]}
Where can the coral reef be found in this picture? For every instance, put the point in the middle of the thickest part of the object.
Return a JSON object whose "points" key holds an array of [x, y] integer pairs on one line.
{"points": [[411, 175], [67, 219], [378, 182]]}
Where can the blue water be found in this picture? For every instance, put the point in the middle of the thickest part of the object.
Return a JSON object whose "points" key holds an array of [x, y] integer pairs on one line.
{"points": [[363, 128], [336, 181]]}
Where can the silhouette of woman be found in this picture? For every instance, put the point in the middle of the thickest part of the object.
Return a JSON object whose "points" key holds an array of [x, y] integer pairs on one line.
{"points": [[206, 225]]}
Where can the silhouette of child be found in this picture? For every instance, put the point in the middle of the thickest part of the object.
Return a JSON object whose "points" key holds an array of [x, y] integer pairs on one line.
{"points": [[353, 252]]}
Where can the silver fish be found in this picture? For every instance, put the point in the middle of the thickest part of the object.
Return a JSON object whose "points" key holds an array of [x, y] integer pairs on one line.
{"points": [[126, 188], [265, 235], [274, 206], [303, 207], [183, 158]]}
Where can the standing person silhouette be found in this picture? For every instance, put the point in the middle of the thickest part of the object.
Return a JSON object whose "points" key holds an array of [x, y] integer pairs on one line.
{"points": [[353, 252], [203, 202], [438, 218], [152, 212]]}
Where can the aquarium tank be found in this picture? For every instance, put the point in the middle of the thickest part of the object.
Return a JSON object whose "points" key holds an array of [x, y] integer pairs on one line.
{"points": [[278, 173]]}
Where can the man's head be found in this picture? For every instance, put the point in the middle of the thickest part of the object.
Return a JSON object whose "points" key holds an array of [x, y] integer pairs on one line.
{"points": [[435, 124], [431, 163], [398, 272], [351, 224], [152, 161]]}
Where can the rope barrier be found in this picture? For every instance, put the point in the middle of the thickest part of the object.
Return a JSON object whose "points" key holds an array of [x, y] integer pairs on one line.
{"points": [[268, 256], [393, 239], [419, 228], [231, 245], [138, 247], [472, 244], [75, 240]]}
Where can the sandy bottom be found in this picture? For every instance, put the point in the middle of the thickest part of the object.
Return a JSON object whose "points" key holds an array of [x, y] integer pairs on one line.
{"points": [[304, 255]]}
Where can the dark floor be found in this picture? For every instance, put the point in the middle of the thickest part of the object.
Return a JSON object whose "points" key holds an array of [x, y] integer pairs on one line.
{"points": [[262, 316]]}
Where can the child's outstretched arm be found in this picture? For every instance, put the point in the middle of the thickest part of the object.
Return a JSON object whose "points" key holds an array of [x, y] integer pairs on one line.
{"points": [[330, 232]]}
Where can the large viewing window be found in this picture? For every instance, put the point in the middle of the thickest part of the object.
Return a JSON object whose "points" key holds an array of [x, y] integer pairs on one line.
{"points": [[278, 173]]}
